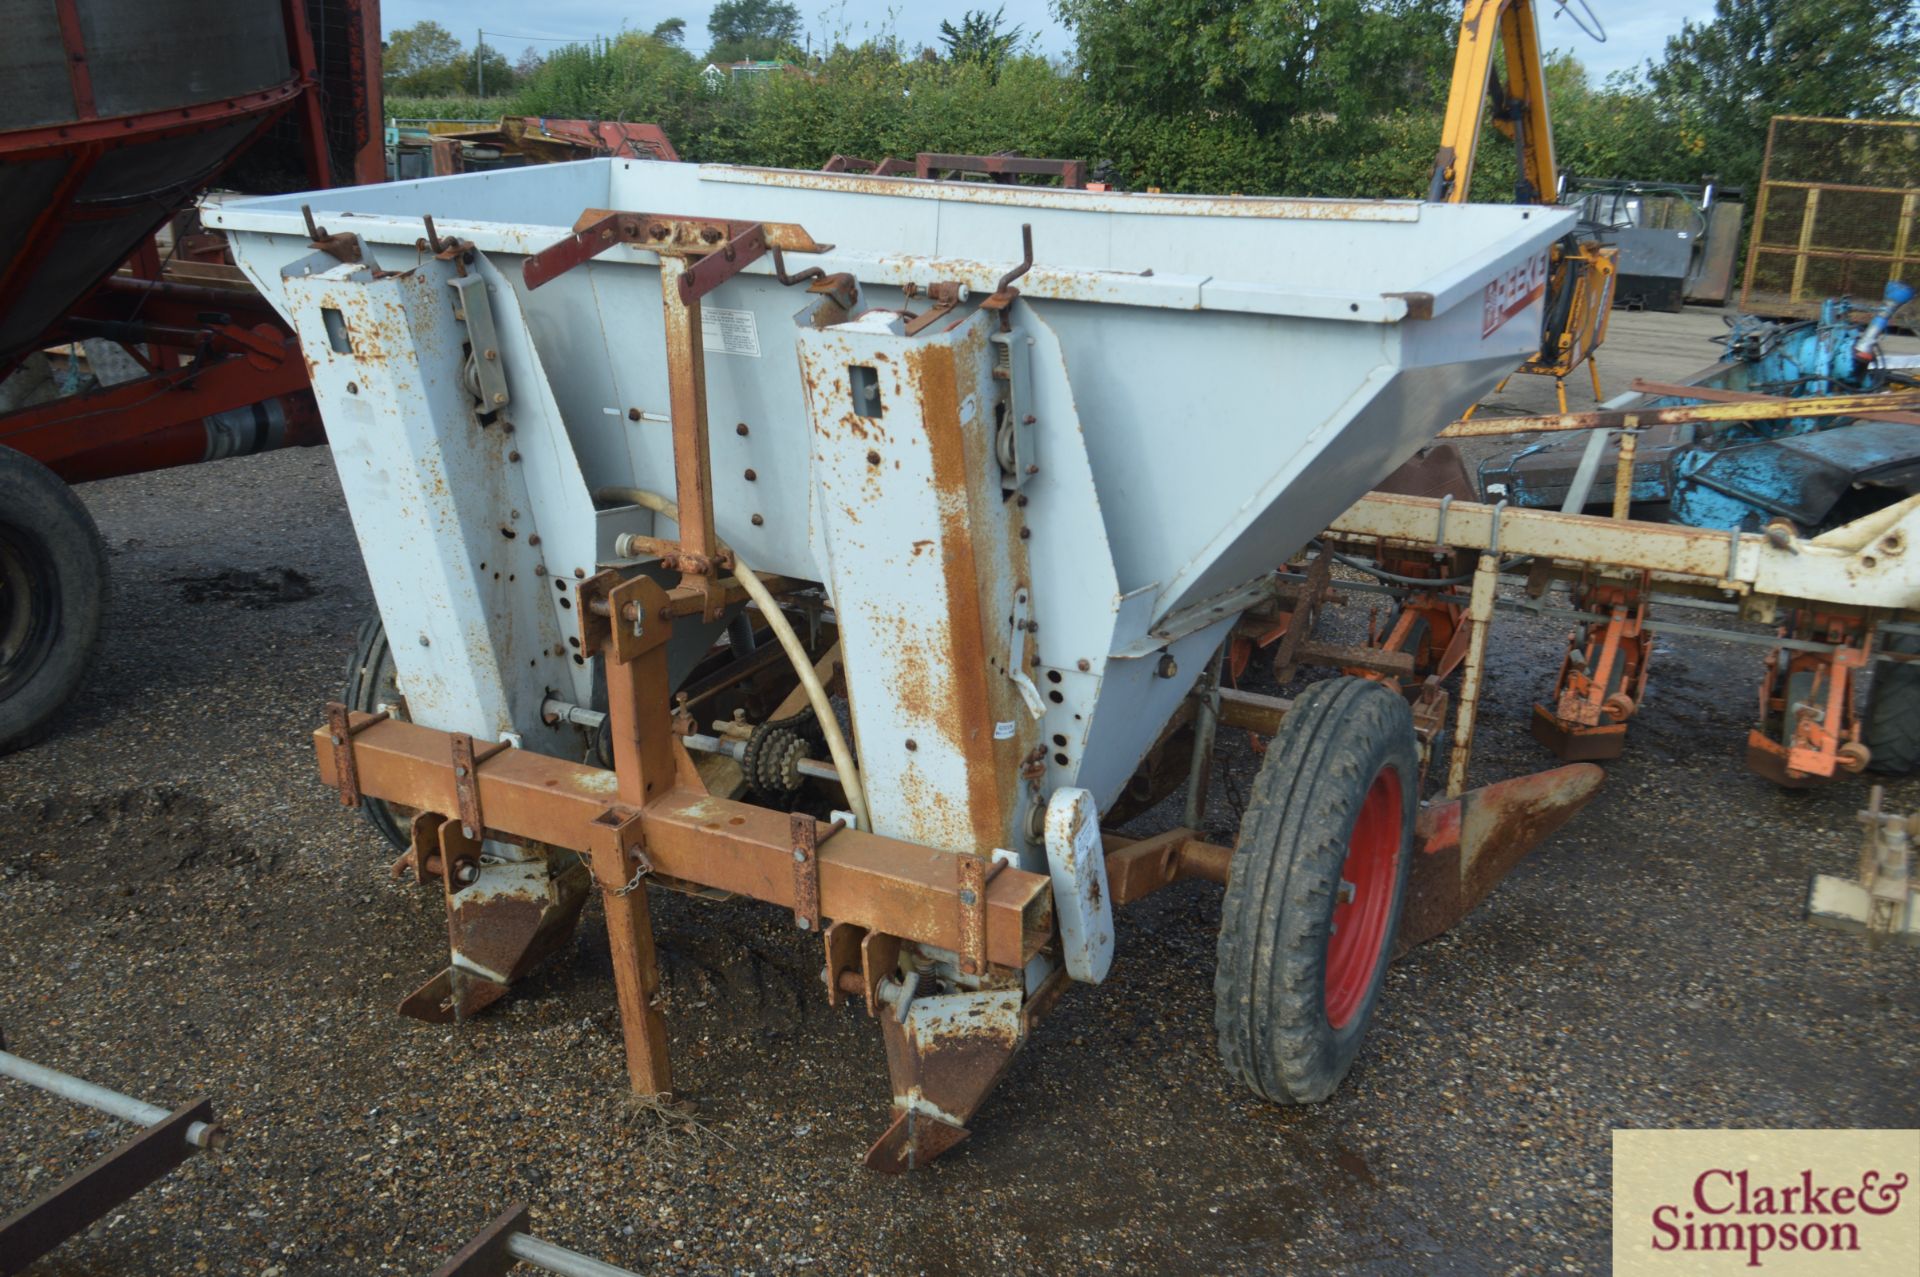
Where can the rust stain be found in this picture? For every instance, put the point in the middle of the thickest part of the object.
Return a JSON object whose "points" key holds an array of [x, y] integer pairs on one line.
{"points": [[963, 471]]}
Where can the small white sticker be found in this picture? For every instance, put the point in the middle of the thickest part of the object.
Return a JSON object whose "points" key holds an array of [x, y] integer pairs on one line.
{"points": [[731, 332], [1003, 731]]}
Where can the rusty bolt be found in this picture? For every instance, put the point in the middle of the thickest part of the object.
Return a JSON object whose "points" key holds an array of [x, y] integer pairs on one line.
{"points": [[656, 231], [751, 476], [873, 458], [606, 234], [353, 387], [425, 641], [1033, 469], [1027, 420], [499, 396], [710, 234], [1167, 667], [494, 354], [580, 574], [1021, 501], [1025, 532], [1083, 664], [740, 429], [513, 456], [757, 520], [533, 538], [633, 414], [539, 569], [911, 743]]}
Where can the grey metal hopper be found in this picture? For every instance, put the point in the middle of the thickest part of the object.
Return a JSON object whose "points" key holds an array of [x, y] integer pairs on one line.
{"points": [[1210, 382]]}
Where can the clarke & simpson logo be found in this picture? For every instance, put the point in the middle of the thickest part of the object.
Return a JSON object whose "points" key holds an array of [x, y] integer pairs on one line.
{"points": [[1726, 1211], [1783, 1201]]}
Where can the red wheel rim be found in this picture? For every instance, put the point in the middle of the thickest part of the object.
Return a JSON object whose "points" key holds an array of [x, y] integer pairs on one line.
{"points": [[1364, 900]]}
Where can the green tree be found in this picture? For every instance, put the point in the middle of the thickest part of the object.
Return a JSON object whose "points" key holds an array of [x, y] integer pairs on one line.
{"points": [[752, 29], [424, 60], [633, 77], [489, 74], [1267, 61], [1721, 80], [980, 39], [672, 31]]}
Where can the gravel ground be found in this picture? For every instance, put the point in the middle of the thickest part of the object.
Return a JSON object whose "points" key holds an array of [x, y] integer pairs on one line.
{"points": [[188, 912]]}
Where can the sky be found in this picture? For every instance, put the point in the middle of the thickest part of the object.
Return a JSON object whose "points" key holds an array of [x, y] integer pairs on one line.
{"points": [[1636, 30]]}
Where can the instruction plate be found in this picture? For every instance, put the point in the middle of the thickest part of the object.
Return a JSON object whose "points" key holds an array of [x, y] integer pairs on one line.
{"points": [[731, 332]]}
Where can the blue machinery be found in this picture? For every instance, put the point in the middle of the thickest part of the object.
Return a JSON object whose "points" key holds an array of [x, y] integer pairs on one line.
{"points": [[1813, 471]]}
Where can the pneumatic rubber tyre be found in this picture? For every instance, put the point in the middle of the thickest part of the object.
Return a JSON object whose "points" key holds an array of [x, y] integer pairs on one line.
{"points": [[1300, 969], [374, 682], [53, 597], [1892, 727]]}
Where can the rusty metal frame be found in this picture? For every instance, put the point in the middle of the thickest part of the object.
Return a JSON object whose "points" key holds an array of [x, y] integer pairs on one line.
{"points": [[89, 1194], [1759, 408], [1003, 168], [1896, 259]]}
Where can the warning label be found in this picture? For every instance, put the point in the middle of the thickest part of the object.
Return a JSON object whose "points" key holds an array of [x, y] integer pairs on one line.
{"points": [[731, 332]]}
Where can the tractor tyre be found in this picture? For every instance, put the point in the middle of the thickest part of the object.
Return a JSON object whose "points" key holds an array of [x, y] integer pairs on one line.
{"points": [[53, 597], [373, 684], [1892, 727], [1314, 897]]}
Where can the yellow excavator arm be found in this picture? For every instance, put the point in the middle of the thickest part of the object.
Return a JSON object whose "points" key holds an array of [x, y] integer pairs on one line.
{"points": [[1580, 274], [1519, 107]]}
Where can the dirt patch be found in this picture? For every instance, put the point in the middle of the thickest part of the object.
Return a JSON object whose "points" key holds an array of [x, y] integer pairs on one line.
{"points": [[117, 842], [252, 591]]}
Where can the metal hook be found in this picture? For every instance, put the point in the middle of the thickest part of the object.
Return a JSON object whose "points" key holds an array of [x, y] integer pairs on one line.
{"points": [[780, 271], [1026, 261]]}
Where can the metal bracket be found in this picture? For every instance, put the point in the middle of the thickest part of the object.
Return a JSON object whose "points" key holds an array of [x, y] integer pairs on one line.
{"points": [[975, 872], [1013, 432], [806, 872], [466, 781], [723, 246], [807, 837], [486, 378], [1017, 655], [944, 295], [341, 729], [630, 837], [345, 248]]}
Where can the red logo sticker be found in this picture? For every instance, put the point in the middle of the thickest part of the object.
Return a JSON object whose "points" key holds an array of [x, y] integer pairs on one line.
{"points": [[1509, 294]]}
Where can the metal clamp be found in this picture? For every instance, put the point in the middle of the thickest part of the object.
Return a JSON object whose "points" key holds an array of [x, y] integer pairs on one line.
{"points": [[807, 837], [975, 872], [341, 729], [466, 782]]}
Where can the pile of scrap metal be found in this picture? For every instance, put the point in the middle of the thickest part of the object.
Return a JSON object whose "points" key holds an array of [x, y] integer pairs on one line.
{"points": [[1677, 242], [521, 139]]}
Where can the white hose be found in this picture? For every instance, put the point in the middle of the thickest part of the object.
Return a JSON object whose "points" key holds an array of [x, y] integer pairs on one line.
{"points": [[789, 642]]}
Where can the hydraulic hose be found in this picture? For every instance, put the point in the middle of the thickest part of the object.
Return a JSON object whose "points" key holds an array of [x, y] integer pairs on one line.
{"points": [[843, 765]]}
